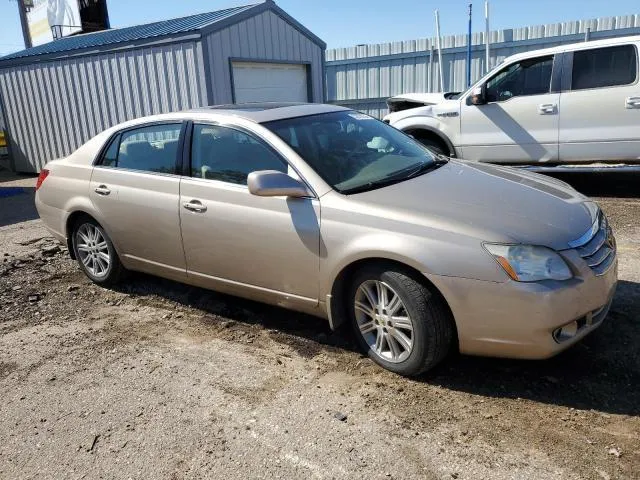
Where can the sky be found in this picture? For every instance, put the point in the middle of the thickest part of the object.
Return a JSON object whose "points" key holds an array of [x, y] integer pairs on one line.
{"points": [[344, 23]]}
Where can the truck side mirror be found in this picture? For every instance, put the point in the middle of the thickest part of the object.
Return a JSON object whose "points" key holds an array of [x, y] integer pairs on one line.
{"points": [[478, 96]]}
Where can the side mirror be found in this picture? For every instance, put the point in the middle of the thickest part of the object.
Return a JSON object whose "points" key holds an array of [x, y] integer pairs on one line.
{"points": [[478, 96], [271, 183]]}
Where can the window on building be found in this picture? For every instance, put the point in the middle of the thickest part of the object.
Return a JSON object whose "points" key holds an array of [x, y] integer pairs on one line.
{"points": [[228, 155], [604, 67], [528, 77]]}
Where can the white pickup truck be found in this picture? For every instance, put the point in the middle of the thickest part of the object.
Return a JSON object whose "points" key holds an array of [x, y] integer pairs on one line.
{"points": [[575, 103]]}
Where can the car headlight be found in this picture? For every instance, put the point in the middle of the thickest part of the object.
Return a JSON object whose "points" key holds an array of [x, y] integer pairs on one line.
{"points": [[528, 263]]}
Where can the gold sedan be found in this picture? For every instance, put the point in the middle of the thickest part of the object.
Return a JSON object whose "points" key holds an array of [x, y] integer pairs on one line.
{"points": [[324, 210]]}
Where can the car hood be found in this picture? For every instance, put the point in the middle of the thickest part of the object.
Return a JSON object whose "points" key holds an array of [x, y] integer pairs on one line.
{"points": [[489, 202], [444, 108]]}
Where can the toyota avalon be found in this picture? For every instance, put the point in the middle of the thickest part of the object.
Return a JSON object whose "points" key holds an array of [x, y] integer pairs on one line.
{"points": [[324, 210]]}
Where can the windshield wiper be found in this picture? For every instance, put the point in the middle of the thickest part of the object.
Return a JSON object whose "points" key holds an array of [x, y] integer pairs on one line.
{"points": [[399, 176], [425, 167]]}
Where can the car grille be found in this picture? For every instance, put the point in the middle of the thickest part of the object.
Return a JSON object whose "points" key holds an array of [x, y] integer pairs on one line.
{"points": [[600, 251]]}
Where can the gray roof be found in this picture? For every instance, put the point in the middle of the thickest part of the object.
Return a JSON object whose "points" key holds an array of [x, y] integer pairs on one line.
{"points": [[267, 112], [113, 38]]}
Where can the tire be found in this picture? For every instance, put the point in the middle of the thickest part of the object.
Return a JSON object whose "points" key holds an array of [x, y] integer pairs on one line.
{"points": [[433, 145], [431, 333], [95, 252]]}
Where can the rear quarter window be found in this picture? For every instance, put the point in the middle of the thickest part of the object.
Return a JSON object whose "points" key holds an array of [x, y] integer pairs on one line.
{"points": [[111, 153]]}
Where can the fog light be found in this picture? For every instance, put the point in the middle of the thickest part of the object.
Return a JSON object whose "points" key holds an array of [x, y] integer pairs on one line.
{"points": [[567, 332]]}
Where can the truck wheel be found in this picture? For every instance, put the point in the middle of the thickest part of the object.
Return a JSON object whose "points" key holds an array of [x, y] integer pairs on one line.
{"points": [[432, 144]]}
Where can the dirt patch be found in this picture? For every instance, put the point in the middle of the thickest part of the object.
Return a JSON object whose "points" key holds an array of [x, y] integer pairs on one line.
{"points": [[6, 368]]}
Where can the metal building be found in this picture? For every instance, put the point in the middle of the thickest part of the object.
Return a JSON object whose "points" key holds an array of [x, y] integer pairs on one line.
{"points": [[363, 77], [56, 96]]}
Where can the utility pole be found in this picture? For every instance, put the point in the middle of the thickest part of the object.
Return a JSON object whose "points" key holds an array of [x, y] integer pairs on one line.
{"points": [[22, 9], [439, 47], [469, 34], [487, 40]]}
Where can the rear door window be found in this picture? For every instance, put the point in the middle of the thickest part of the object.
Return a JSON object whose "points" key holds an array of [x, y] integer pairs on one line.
{"points": [[604, 67], [152, 148]]}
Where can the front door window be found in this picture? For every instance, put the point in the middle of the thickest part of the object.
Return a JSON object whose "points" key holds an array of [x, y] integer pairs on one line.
{"points": [[528, 77]]}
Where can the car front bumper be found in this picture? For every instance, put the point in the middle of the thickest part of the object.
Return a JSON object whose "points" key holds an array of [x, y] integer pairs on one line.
{"points": [[520, 320]]}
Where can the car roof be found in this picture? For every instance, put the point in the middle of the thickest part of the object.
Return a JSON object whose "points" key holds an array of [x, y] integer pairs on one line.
{"points": [[253, 112], [608, 42], [269, 111]]}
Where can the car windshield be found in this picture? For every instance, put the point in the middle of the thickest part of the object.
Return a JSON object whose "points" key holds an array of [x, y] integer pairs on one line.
{"points": [[353, 152]]}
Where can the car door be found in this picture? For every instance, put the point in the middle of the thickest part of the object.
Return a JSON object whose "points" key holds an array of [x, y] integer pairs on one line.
{"points": [[135, 191], [600, 106], [519, 121], [265, 248]]}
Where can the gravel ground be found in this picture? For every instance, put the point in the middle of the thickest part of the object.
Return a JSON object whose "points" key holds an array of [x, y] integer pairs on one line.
{"points": [[154, 379]]}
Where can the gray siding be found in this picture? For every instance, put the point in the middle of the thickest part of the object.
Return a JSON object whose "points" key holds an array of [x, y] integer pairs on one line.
{"points": [[52, 108], [2, 126], [363, 77], [3, 150], [264, 37]]}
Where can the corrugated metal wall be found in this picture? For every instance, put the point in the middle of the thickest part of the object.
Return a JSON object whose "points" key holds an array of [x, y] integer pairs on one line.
{"points": [[2, 126], [52, 108], [362, 77], [3, 150], [263, 37]]}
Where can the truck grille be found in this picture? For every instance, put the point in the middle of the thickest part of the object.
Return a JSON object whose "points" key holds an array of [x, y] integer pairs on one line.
{"points": [[600, 251]]}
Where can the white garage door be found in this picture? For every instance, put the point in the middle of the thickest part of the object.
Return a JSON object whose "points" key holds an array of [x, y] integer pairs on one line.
{"points": [[269, 82]]}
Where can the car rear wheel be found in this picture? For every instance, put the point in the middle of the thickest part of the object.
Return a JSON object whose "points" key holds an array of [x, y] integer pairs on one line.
{"points": [[398, 321], [95, 252]]}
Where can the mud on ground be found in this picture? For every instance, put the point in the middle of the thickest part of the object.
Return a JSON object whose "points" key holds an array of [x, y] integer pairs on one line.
{"points": [[154, 379]]}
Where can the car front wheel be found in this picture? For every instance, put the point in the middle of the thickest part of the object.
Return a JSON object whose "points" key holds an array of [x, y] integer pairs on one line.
{"points": [[95, 252], [401, 324]]}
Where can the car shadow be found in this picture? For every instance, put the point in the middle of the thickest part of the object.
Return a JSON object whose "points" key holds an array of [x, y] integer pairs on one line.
{"points": [[313, 333], [17, 205], [600, 373], [520, 136], [603, 184]]}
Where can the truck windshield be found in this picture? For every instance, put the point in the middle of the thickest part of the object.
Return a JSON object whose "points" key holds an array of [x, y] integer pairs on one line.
{"points": [[353, 152]]}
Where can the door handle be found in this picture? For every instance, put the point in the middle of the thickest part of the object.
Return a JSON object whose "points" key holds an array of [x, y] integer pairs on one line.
{"points": [[632, 102], [195, 206], [102, 190], [547, 108]]}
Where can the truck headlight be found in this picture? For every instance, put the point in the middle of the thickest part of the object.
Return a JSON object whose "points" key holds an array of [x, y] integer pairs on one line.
{"points": [[528, 263]]}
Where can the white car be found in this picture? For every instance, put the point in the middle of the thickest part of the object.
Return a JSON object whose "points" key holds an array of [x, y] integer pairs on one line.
{"points": [[567, 104]]}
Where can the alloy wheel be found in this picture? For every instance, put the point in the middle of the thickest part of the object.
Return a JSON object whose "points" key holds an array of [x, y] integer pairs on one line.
{"points": [[383, 321], [93, 250]]}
